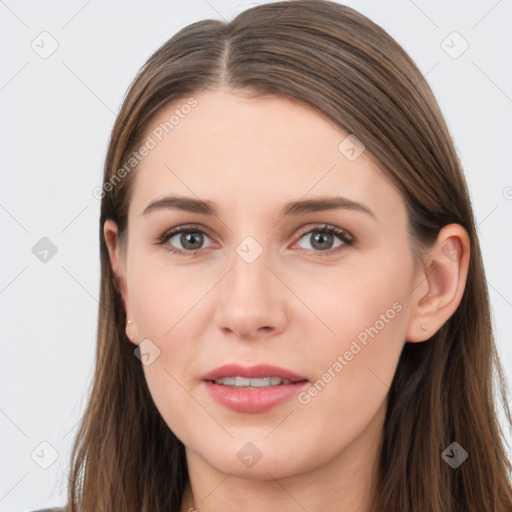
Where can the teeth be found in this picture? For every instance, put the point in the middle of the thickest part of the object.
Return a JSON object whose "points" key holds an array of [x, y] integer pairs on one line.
{"points": [[244, 382]]}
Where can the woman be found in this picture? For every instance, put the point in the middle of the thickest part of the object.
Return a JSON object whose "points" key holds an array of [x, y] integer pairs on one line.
{"points": [[294, 313]]}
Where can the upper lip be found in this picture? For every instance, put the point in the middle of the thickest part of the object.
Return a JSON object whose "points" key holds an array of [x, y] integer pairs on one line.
{"points": [[260, 370]]}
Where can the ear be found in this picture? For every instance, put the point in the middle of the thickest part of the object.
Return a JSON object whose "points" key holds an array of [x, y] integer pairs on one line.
{"points": [[442, 281], [118, 264]]}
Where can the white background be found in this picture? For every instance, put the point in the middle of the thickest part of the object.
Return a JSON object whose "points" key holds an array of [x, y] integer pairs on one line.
{"points": [[56, 116]]}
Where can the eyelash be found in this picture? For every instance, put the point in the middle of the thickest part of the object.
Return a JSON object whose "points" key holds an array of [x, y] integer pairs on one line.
{"points": [[343, 235]]}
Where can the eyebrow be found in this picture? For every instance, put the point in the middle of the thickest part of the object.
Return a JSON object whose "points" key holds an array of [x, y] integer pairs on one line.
{"points": [[205, 207]]}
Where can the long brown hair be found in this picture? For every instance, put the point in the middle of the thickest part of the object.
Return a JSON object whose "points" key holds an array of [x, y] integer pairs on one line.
{"points": [[349, 69]]}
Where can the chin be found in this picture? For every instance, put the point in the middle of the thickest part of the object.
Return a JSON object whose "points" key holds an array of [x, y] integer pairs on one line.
{"points": [[259, 460]]}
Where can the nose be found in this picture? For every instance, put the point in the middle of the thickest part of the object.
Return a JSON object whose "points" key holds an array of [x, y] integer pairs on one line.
{"points": [[252, 301]]}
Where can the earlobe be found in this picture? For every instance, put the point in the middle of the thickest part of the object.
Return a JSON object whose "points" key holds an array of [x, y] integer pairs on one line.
{"points": [[129, 330], [443, 283]]}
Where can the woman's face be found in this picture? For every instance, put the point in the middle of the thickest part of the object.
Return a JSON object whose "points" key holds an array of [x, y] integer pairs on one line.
{"points": [[269, 284]]}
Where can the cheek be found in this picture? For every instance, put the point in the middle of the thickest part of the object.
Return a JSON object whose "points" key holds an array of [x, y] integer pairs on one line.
{"points": [[362, 301], [354, 369], [163, 297], [366, 311], [167, 308]]}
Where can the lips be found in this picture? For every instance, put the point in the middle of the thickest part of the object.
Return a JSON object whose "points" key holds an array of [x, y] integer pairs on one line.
{"points": [[249, 399], [258, 371]]}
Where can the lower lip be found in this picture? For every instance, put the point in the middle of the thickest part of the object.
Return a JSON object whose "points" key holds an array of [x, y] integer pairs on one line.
{"points": [[253, 399]]}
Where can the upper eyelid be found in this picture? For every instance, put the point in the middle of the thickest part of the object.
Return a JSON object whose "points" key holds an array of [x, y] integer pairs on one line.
{"points": [[324, 226], [184, 228]]}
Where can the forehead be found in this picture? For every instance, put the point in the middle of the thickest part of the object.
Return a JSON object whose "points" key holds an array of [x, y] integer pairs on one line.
{"points": [[224, 146], [227, 121]]}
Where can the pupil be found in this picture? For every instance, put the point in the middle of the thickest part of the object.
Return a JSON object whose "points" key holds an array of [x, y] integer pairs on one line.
{"points": [[321, 237]]}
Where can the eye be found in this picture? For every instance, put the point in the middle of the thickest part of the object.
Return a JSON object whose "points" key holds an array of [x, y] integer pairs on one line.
{"points": [[322, 239], [190, 238]]}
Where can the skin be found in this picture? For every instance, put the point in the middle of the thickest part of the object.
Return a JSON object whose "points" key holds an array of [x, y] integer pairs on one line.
{"points": [[295, 306]]}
